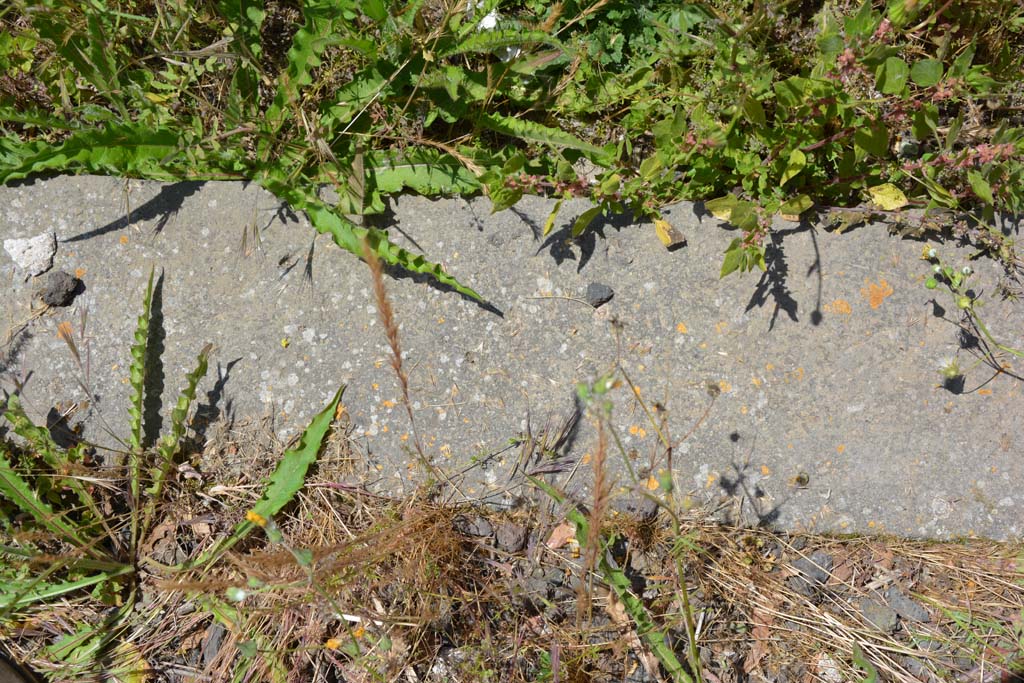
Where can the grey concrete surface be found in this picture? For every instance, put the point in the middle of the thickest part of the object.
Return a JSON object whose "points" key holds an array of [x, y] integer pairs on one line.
{"points": [[830, 417]]}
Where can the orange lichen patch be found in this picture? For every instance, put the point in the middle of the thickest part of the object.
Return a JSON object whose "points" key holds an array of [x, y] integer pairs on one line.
{"points": [[724, 386], [765, 470], [388, 403], [984, 392], [586, 458], [379, 363], [711, 480], [743, 410], [871, 524], [721, 327], [440, 321], [375, 386], [652, 483], [636, 390], [839, 306], [703, 345], [876, 293], [755, 381], [123, 239], [637, 430], [404, 437], [333, 643], [79, 273], [769, 367], [681, 328], [446, 451], [840, 448]]}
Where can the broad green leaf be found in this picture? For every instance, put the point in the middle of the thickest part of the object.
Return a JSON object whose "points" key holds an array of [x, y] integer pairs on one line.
{"points": [[797, 162], [790, 92], [873, 138], [926, 121], [584, 220], [504, 197], [651, 167], [980, 187], [733, 257], [902, 12], [721, 207], [891, 76], [926, 72], [887, 197], [376, 10], [863, 23], [792, 209], [753, 110]]}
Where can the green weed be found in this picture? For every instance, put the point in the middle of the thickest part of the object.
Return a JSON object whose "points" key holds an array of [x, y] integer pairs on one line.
{"points": [[766, 110], [68, 538]]}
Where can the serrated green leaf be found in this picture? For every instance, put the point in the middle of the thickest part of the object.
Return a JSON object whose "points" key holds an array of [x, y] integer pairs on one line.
{"points": [[525, 129], [489, 41], [114, 149], [350, 236], [287, 479], [584, 220], [646, 629], [423, 170], [980, 187], [891, 77], [308, 44], [926, 72]]}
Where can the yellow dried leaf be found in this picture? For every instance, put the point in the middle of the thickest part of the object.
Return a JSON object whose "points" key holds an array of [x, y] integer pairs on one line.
{"points": [[887, 197], [668, 234]]}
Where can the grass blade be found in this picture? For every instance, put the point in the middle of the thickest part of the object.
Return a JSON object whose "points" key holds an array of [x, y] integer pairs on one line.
{"points": [[18, 491]]}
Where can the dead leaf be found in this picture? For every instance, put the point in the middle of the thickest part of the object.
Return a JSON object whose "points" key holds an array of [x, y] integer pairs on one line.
{"points": [[560, 535], [668, 234], [761, 635]]}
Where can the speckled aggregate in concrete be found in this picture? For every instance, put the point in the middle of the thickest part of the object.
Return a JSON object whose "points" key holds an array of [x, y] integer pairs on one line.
{"points": [[830, 415]]}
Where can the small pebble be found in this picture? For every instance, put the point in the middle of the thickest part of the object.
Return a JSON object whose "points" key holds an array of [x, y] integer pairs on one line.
{"points": [[598, 294], [57, 288], [880, 616]]}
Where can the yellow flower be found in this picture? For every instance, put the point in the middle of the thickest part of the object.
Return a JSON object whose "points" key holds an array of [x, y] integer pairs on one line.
{"points": [[256, 518]]}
